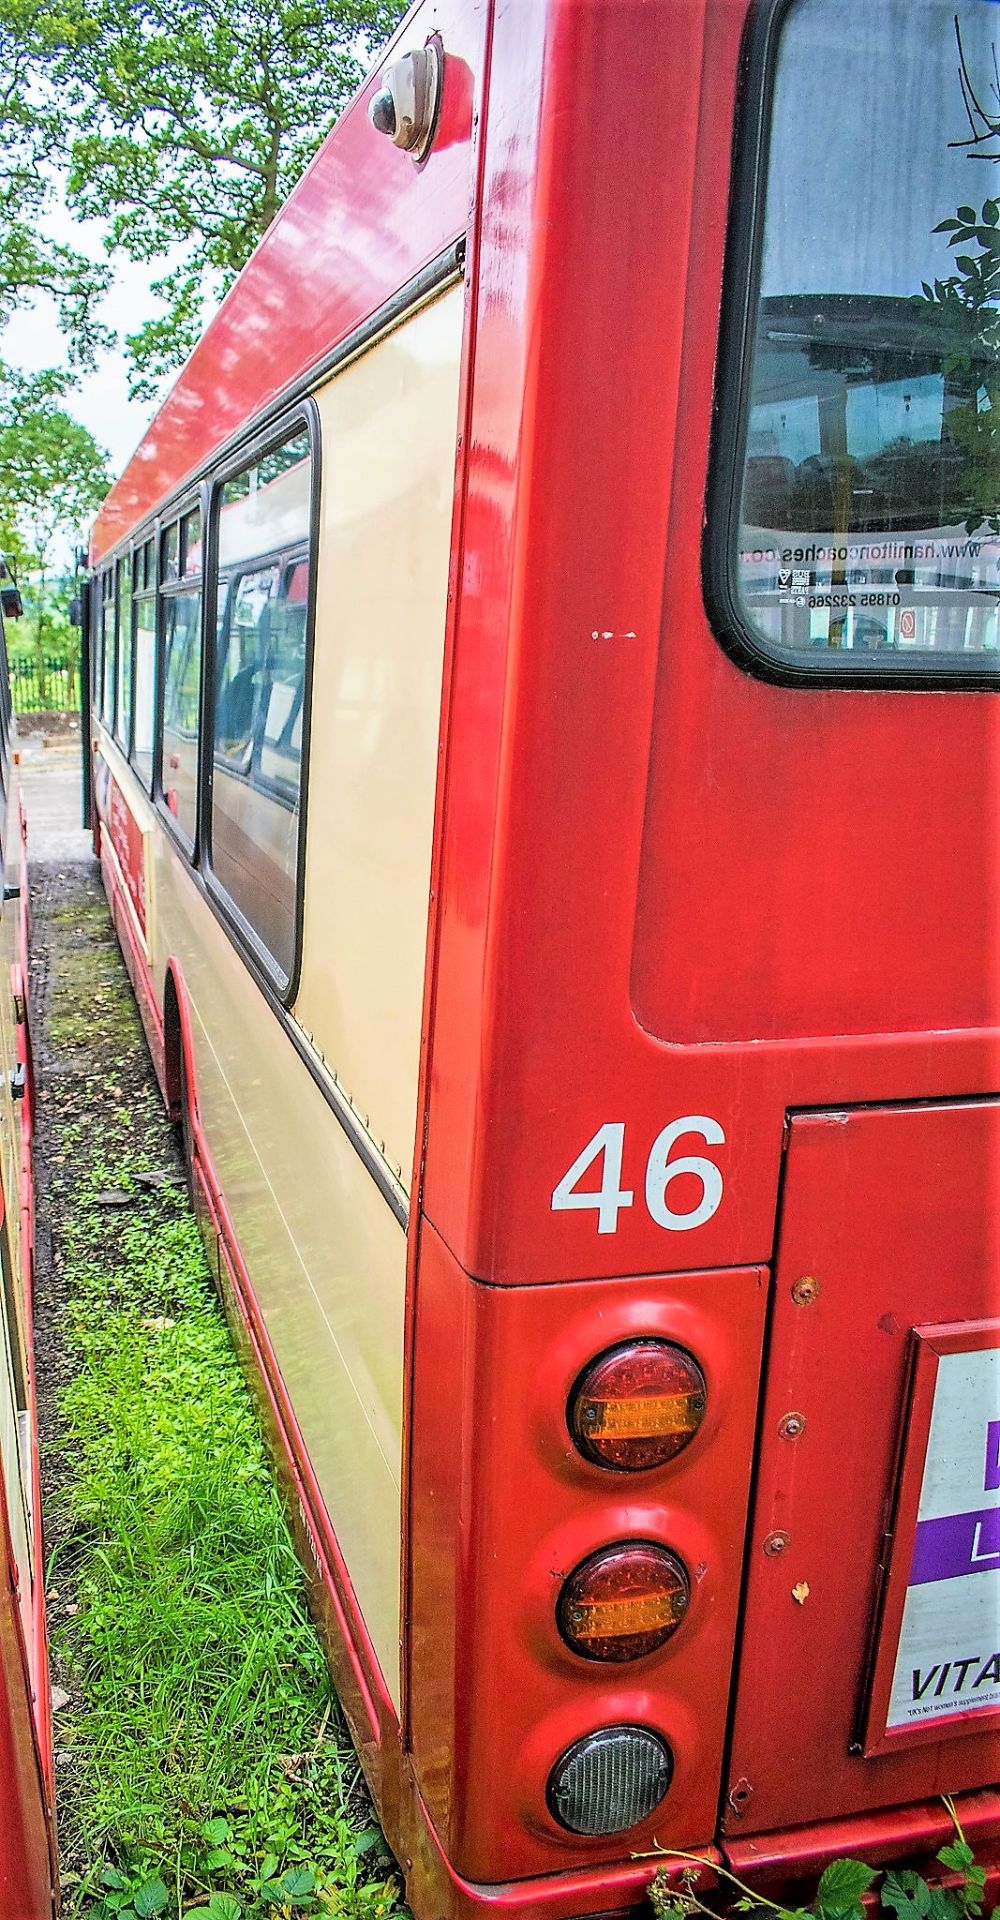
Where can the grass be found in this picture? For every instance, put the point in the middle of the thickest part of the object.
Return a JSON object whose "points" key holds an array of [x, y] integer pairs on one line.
{"points": [[210, 1769]]}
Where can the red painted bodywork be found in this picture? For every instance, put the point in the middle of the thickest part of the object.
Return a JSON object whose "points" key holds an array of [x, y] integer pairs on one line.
{"points": [[877, 1210], [126, 838], [28, 1870], [660, 887]]}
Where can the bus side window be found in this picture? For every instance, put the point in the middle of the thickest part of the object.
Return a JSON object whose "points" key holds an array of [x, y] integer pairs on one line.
{"points": [[180, 600], [145, 656], [240, 672], [96, 647], [260, 625], [281, 735], [181, 692], [108, 646], [123, 633]]}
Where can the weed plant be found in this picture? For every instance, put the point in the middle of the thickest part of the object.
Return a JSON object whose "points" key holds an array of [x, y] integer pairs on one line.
{"points": [[209, 1770], [847, 1890], [216, 1766]]}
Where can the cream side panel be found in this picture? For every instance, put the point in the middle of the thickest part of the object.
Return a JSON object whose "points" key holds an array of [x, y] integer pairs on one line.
{"points": [[326, 1257], [11, 1440], [389, 423]]}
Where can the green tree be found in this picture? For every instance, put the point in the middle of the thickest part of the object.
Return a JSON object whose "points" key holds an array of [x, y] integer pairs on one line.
{"points": [[53, 475], [31, 129], [193, 120], [964, 310]]}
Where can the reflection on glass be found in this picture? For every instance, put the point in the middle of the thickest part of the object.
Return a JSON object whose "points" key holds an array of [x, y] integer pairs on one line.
{"points": [[108, 647], [264, 520], [171, 552], [181, 707], [870, 501], [190, 544], [145, 654], [123, 704]]}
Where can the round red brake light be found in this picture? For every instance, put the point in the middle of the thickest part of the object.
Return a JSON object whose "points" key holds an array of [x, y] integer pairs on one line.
{"points": [[624, 1601], [637, 1405]]}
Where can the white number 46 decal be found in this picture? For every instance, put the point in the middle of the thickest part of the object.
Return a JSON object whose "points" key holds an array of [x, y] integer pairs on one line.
{"points": [[607, 1200]]}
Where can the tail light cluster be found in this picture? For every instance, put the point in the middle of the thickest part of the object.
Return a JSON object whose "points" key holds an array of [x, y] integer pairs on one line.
{"points": [[634, 1408], [623, 1602], [637, 1406]]}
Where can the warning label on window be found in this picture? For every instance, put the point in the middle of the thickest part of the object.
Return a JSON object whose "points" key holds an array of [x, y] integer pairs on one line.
{"points": [[948, 1659]]}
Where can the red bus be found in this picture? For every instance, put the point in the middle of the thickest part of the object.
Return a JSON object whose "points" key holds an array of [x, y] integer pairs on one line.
{"points": [[28, 1874], [546, 774]]}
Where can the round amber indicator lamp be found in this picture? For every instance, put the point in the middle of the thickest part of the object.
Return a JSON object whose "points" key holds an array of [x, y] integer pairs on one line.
{"points": [[624, 1601], [638, 1405]]}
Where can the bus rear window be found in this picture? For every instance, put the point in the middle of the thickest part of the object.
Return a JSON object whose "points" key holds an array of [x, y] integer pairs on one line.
{"points": [[865, 516]]}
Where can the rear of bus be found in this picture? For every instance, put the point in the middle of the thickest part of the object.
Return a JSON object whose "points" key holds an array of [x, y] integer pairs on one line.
{"points": [[706, 1409]]}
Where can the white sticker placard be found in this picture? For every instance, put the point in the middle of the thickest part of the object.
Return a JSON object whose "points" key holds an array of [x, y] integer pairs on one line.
{"points": [[948, 1660]]}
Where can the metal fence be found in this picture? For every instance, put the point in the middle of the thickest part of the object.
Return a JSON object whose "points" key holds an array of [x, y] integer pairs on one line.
{"points": [[44, 686]]}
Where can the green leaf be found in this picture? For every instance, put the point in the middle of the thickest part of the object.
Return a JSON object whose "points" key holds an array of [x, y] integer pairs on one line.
{"points": [[991, 212], [949, 1903], [219, 1857], [222, 1906], [958, 1856], [968, 214], [151, 1898], [216, 1831], [298, 1883], [842, 1884], [366, 1840], [113, 1877], [906, 1894]]}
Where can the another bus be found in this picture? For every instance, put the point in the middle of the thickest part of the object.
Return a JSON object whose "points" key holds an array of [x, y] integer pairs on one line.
{"points": [[546, 780], [28, 1872]]}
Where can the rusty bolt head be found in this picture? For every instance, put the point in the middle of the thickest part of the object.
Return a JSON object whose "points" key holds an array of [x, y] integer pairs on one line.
{"points": [[805, 1291], [739, 1798], [775, 1542], [791, 1425]]}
